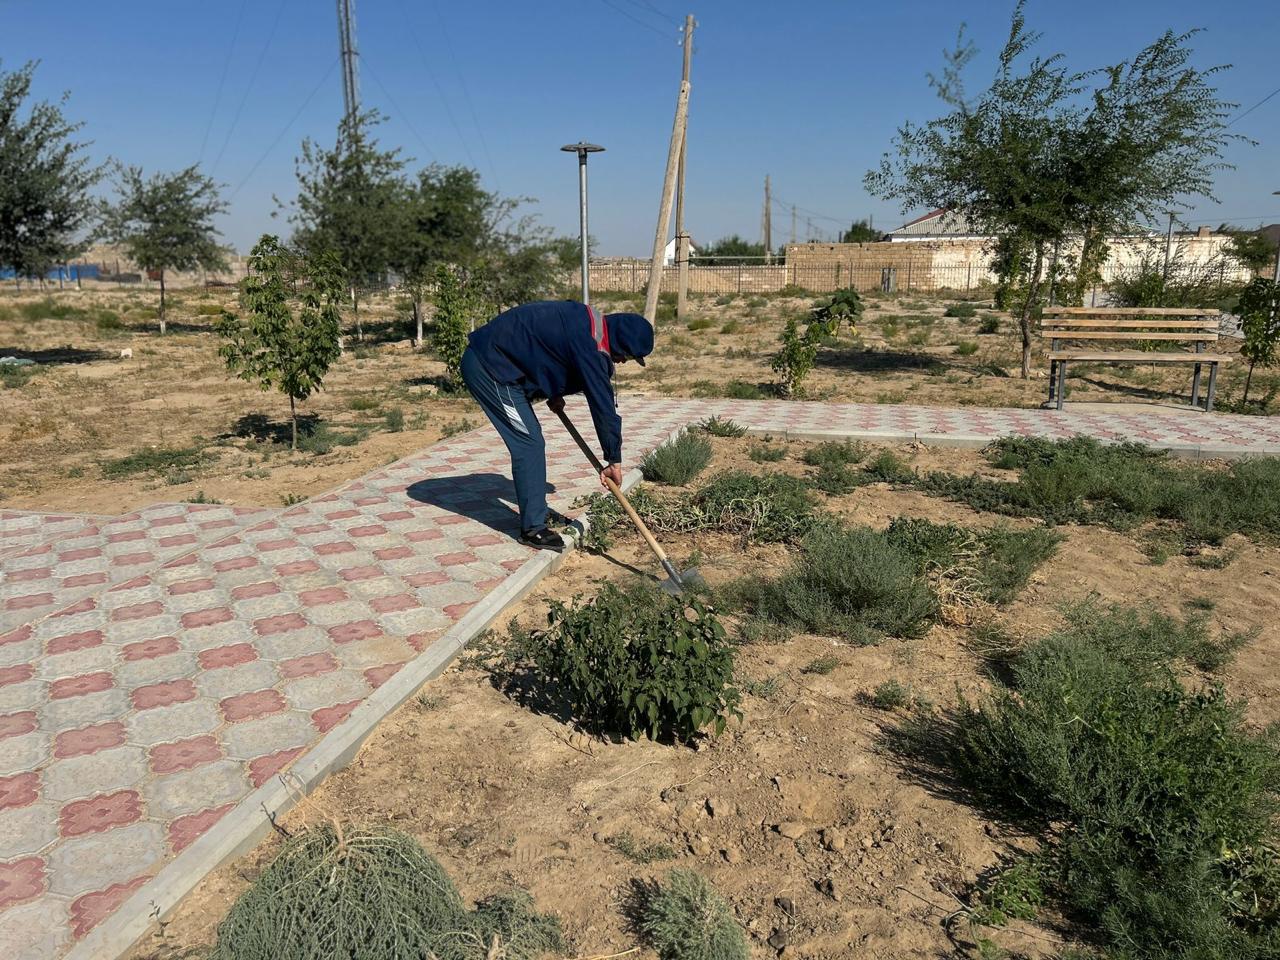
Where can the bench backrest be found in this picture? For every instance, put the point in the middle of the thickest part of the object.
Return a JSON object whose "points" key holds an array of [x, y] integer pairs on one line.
{"points": [[1180, 324]]}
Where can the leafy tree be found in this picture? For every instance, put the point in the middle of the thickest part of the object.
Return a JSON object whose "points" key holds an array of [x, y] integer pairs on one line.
{"points": [[44, 180], [165, 222], [1250, 247], [732, 250], [861, 232], [1046, 155], [275, 345], [352, 201], [1260, 320], [460, 306]]}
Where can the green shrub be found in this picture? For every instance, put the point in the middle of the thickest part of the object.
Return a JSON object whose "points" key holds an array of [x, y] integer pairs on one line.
{"points": [[821, 666], [763, 453], [677, 461], [153, 460], [685, 919], [208, 310], [989, 324], [393, 420], [741, 390], [962, 311], [890, 695], [13, 376], [638, 662], [1155, 802], [320, 438], [850, 582], [836, 479], [107, 321], [731, 326], [966, 348], [721, 427], [887, 467], [835, 453], [1122, 486], [700, 323], [638, 852], [371, 895]]}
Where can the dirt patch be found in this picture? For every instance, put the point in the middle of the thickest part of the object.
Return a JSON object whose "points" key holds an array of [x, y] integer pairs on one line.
{"points": [[798, 814]]}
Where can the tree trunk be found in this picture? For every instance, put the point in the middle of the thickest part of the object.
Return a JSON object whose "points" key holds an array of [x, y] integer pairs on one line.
{"points": [[162, 302], [1247, 380], [417, 320], [1033, 293], [355, 305], [293, 424]]}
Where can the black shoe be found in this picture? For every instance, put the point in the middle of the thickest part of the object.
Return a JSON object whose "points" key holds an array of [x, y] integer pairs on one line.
{"points": [[543, 539]]}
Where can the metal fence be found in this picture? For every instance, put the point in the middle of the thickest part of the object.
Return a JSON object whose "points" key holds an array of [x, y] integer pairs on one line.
{"points": [[758, 277]]}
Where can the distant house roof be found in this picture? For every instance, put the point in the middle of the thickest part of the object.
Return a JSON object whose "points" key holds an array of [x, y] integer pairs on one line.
{"points": [[939, 224]]}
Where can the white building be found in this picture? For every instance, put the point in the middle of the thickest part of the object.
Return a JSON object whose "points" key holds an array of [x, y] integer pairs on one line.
{"points": [[669, 252]]}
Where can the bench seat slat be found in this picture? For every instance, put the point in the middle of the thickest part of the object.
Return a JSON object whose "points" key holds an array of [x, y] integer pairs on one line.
{"points": [[1132, 312], [1123, 335], [1072, 324], [1139, 356]]}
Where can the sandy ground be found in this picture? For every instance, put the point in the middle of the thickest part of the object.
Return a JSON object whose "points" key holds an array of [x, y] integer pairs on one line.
{"points": [[877, 857], [84, 406]]}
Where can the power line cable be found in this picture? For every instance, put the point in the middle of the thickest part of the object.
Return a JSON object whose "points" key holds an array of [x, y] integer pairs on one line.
{"points": [[426, 66], [226, 67], [634, 19], [249, 87], [466, 95], [395, 106], [1241, 116], [661, 13], [280, 136]]}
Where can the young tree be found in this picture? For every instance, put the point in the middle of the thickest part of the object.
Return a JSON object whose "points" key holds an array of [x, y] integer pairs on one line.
{"points": [[1260, 322], [165, 222], [45, 177], [460, 307], [274, 345], [1046, 158], [1250, 247], [352, 200]]}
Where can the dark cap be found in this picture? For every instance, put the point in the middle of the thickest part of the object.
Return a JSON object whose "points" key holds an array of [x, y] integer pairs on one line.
{"points": [[630, 336]]}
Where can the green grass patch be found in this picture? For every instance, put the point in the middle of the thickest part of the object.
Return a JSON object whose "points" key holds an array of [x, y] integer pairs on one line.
{"points": [[677, 461], [961, 311], [1122, 487], [966, 348], [154, 460], [890, 695], [989, 325], [821, 666], [638, 852], [722, 427], [765, 453], [835, 453], [700, 323]]}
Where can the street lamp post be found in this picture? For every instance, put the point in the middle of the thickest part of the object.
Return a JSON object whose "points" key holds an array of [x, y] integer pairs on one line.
{"points": [[582, 148]]}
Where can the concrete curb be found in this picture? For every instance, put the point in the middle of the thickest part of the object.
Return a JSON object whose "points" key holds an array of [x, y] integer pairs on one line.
{"points": [[243, 827]]}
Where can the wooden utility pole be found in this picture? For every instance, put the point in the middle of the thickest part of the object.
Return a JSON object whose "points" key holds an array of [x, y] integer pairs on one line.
{"points": [[768, 225], [668, 192], [682, 238], [793, 223]]}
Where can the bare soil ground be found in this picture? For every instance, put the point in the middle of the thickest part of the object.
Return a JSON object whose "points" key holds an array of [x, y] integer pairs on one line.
{"points": [[873, 858], [84, 406]]}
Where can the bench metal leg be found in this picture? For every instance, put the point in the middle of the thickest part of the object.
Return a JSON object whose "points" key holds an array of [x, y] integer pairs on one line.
{"points": [[1195, 378], [1053, 379], [1213, 383], [1062, 383]]}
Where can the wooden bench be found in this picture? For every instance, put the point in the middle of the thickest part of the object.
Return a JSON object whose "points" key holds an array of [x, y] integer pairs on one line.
{"points": [[1107, 325]]}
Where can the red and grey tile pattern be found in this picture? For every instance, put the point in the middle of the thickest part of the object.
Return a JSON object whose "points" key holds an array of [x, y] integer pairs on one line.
{"points": [[137, 710]]}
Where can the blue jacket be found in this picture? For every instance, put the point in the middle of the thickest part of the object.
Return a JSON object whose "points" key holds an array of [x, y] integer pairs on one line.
{"points": [[546, 349]]}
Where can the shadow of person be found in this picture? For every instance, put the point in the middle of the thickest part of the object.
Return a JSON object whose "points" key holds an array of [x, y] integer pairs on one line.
{"points": [[487, 498]]}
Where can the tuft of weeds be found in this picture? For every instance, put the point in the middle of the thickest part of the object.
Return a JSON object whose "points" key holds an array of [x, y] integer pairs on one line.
{"points": [[966, 348], [677, 461], [684, 918], [292, 499], [989, 325], [202, 497], [731, 326], [321, 438], [887, 467], [393, 420], [722, 427], [961, 311], [835, 453], [643, 853], [455, 427], [700, 323], [890, 695], [12, 376], [821, 666], [764, 453]]}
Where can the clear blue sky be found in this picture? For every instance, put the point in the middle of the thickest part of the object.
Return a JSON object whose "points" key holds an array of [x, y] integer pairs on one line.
{"points": [[809, 94]]}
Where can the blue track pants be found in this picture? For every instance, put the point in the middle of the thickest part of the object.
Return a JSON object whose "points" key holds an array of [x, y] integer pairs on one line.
{"points": [[511, 414]]}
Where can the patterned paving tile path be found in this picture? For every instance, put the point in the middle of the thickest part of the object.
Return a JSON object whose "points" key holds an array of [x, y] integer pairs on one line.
{"points": [[157, 670]]}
